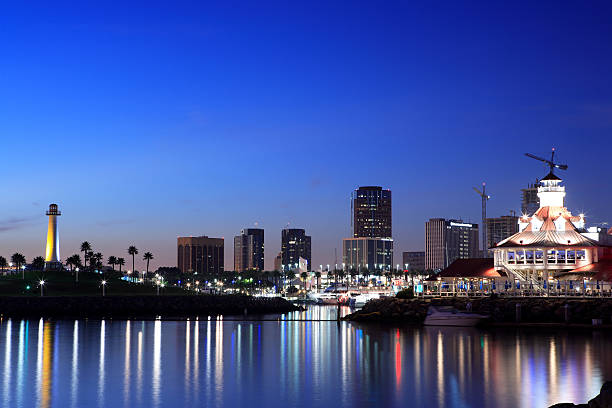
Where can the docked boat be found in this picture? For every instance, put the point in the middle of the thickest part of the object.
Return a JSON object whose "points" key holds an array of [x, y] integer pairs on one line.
{"points": [[360, 299], [325, 298], [449, 316]]}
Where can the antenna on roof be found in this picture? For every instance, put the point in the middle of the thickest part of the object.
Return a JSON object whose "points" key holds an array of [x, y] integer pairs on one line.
{"points": [[551, 163]]}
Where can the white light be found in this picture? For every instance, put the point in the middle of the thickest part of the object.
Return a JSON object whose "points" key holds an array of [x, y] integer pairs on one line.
{"points": [[104, 282], [42, 282]]}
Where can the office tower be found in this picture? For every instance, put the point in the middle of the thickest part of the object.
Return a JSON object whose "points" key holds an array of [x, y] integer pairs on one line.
{"points": [[200, 254], [249, 250], [530, 202], [501, 228], [371, 212], [448, 240], [294, 244], [414, 261], [278, 262], [374, 254]]}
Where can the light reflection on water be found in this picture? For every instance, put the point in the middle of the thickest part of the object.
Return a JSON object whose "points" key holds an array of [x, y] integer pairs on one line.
{"points": [[279, 363]]}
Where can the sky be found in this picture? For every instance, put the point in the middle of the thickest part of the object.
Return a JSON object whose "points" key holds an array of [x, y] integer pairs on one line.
{"points": [[145, 121]]}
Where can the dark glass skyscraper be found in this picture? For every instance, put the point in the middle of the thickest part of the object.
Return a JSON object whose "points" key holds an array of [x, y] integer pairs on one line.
{"points": [[295, 244], [249, 250], [371, 212]]}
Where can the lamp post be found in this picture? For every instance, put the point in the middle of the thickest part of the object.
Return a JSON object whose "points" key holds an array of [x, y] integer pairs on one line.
{"points": [[23, 272], [77, 274], [42, 283], [103, 288]]}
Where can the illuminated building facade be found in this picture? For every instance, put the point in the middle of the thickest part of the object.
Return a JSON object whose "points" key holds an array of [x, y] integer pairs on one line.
{"points": [[554, 244], [374, 254], [295, 244], [200, 254], [249, 250], [52, 251], [371, 212], [448, 240]]}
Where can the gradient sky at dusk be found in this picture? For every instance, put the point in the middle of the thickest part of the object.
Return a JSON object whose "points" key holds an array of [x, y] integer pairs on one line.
{"points": [[145, 121]]}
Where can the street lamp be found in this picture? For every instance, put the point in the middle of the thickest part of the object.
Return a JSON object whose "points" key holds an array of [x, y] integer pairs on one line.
{"points": [[77, 274], [103, 288], [41, 283], [23, 272]]}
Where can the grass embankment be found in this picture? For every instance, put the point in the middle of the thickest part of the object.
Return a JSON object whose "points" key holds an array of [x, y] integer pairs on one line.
{"points": [[63, 283], [65, 298]]}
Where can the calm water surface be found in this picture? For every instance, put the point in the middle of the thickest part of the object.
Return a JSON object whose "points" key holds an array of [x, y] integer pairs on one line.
{"points": [[227, 363]]}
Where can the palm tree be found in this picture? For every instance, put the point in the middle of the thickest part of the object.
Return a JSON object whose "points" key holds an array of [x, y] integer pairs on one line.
{"points": [[132, 250], [38, 263], [86, 248], [120, 262], [18, 260], [318, 276], [112, 261], [147, 257], [3, 263]]}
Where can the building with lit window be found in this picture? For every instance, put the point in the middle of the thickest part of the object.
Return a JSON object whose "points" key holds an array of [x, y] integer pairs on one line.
{"points": [[371, 212], [200, 255], [530, 202], [249, 250], [500, 228], [373, 254], [295, 244], [448, 240], [414, 261], [553, 244]]}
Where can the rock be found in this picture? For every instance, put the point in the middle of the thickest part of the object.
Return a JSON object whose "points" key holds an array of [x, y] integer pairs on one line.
{"points": [[604, 399]]}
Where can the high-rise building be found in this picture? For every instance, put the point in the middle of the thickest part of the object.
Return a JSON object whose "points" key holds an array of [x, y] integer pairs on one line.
{"points": [[200, 254], [501, 228], [249, 250], [294, 244], [448, 240], [414, 261], [278, 262], [371, 212], [530, 202], [374, 254]]}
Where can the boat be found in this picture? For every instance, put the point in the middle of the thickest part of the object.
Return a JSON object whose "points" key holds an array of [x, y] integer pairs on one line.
{"points": [[449, 316], [360, 299], [325, 298]]}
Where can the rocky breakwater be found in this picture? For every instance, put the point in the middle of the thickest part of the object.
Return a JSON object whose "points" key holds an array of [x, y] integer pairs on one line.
{"points": [[501, 310], [140, 306], [603, 400], [391, 309]]}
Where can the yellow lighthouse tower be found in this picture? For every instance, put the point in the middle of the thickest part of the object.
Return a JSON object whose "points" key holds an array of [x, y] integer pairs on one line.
{"points": [[52, 254]]}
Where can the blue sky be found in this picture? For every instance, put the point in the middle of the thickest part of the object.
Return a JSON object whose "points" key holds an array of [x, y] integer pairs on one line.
{"points": [[145, 121]]}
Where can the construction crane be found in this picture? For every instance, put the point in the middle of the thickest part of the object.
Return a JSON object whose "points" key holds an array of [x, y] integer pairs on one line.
{"points": [[551, 163], [483, 195]]}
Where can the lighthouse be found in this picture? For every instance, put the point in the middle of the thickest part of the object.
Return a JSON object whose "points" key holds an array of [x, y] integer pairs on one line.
{"points": [[52, 254]]}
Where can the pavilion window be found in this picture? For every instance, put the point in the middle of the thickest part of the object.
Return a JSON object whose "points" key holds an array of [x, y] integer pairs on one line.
{"points": [[539, 256], [529, 257], [581, 254], [520, 256], [511, 257], [571, 256], [561, 256], [552, 256]]}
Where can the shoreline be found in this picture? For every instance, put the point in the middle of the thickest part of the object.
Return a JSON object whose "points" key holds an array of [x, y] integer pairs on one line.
{"points": [[502, 312], [141, 306]]}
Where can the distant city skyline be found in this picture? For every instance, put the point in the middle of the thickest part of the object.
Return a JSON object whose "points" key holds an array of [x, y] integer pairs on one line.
{"points": [[219, 118]]}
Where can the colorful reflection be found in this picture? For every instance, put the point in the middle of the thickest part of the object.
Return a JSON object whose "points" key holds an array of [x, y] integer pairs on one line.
{"points": [[280, 363]]}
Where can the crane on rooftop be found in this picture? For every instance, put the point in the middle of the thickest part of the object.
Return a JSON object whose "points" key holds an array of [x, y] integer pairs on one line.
{"points": [[483, 195], [551, 163]]}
